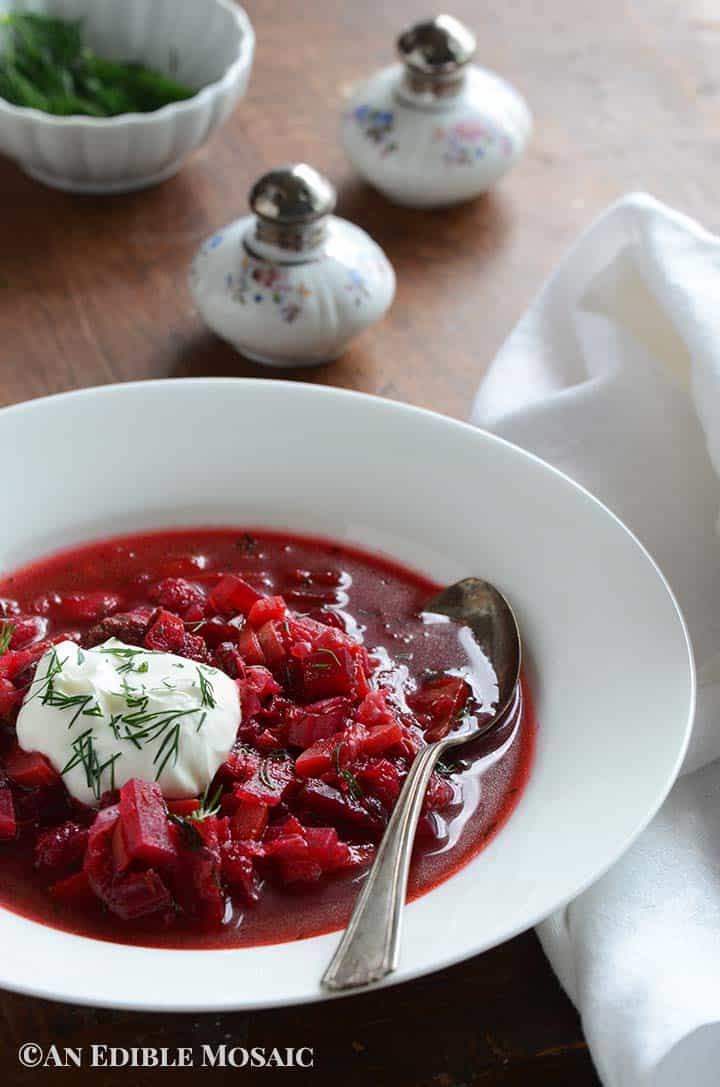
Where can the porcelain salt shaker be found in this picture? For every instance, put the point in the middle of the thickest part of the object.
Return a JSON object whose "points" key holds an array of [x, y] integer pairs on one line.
{"points": [[291, 284], [435, 129]]}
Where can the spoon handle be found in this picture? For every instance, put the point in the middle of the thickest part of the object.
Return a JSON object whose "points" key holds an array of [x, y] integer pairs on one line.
{"points": [[370, 945]]}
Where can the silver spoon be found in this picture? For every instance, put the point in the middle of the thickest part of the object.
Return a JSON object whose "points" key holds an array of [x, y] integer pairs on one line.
{"points": [[370, 946]]}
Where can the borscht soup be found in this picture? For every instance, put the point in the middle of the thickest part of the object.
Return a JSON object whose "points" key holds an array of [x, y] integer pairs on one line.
{"points": [[203, 733]]}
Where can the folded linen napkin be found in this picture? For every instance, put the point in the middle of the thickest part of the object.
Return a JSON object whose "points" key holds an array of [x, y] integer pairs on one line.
{"points": [[613, 375]]}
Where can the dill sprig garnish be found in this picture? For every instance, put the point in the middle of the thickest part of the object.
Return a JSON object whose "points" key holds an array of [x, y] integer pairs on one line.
{"points": [[207, 694], [85, 755], [6, 636], [320, 665], [45, 683], [265, 764], [209, 805], [353, 785]]}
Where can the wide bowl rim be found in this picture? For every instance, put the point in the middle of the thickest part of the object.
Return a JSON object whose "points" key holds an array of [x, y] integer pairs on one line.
{"points": [[230, 77], [476, 944]]}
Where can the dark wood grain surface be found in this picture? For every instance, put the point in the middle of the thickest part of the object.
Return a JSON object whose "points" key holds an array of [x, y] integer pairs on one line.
{"points": [[92, 290]]}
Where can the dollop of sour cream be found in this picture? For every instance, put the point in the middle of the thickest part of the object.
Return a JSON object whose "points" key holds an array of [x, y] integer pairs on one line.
{"points": [[105, 715]]}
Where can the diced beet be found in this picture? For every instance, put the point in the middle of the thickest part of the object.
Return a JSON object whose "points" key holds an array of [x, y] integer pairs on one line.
{"points": [[303, 856], [27, 629], [249, 647], [87, 607], [228, 659], [294, 861], [121, 857], [61, 848], [382, 737], [240, 765], [138, 894], [272, 644], [128, 894], [327, 672], [166, 633], [194, 648], [98, 862], [197, 871], [329, 803], [437, 704], [374, 710], [215, 630], [266, 609], [269, 784], [382, 779], [73, 891], [183, 807], [180, 596], [10, 698], [232, 595], [249, 821], [334, 753], [318, 721], [238, 869], [8, 824], [15, 661], [439, 794], [256, 685], [29, 768], [318, 759], [143, 815], [287, 829]]}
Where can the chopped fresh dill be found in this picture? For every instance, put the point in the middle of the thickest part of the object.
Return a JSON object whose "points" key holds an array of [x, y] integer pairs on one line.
{"points": [[45, 64], [85, 755], [353, 785], [6, 636], [265, 775], [264, 768], [336, 756], [329, 653], [207, 694], [168, 749], [209, 805]]}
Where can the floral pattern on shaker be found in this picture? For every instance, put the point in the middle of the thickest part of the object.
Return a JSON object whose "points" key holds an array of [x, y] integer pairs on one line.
{"points": [[467, 141], [357, 287], [257, 283], [378, 126]]}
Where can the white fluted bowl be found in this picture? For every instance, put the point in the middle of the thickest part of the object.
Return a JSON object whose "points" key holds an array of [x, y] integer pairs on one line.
{"points": [[204, 43]]}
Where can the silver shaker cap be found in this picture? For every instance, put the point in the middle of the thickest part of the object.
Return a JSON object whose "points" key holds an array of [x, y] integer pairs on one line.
{"points": [[292, 195], [438, 48]]}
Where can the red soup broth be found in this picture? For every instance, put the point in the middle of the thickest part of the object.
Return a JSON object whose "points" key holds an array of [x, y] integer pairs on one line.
{"points": [[379, 601]]}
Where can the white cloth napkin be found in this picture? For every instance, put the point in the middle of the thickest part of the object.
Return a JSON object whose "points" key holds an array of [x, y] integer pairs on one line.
{"points": [[613, 375]]}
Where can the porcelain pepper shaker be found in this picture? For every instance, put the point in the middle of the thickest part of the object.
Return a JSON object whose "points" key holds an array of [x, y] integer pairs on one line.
{"points": [[435, 129], [291, 284]]}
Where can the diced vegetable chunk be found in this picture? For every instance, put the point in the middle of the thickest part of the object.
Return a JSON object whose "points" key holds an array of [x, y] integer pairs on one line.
{"points": [[8, 824], [30, 768], [143, 815]]}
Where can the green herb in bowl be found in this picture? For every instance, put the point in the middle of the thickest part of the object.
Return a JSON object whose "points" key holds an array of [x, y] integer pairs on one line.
{"points": [[45, 64]]}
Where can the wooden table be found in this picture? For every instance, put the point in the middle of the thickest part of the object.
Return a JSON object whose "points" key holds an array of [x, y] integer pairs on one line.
{"points": [[92, 290]]}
